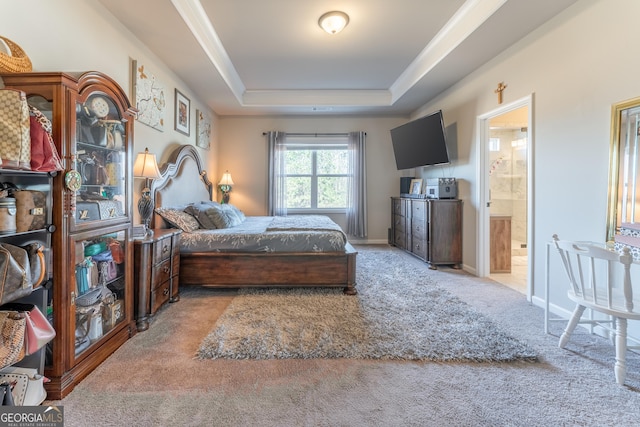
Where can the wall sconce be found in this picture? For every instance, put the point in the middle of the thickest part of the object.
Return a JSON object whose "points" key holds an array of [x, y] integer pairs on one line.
{"points": [[225, 186], [333, 22], [146, 167]]}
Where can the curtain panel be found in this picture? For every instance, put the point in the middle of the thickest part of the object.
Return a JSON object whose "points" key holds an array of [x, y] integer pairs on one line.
{"points": [[357, 192], [276, 193]]}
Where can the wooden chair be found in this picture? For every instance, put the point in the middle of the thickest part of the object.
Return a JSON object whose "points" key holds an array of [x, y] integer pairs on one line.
{"points": [[600, 279]]}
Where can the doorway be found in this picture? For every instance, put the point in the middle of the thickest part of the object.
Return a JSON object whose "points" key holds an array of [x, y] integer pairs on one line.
{"points": [[505, 174]]}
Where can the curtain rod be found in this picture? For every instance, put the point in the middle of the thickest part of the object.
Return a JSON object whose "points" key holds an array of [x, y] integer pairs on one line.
{"points": [[314, 134]]}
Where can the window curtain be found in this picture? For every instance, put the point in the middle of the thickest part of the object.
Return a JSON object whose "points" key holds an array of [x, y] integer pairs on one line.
{"points": [[357, 192], [276, 203]]}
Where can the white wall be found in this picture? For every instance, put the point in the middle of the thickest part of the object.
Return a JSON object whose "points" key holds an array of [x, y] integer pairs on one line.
{"points": [[243, 151], [80, 35], [576, 66]]}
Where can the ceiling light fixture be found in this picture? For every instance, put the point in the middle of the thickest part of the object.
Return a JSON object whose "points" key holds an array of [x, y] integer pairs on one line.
{"points": [[333, 22]]}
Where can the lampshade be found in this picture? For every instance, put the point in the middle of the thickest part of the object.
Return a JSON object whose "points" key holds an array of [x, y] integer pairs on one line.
{"points": [[226, 179], [333, 22], [146, 165]]}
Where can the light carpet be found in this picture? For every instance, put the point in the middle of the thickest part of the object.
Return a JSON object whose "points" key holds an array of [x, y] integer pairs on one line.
{"points": [[154, 380], [399, 313]]}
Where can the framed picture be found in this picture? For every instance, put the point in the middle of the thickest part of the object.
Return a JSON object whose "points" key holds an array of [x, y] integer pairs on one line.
{"points": [[148, 96], [416, 186], [183, 113], [203, 129]]}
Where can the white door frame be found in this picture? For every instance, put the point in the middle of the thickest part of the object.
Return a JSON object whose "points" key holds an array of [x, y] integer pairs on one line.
{"points": [[483, 242]]}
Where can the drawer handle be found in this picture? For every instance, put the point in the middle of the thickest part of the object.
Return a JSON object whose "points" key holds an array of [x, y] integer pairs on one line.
{"points": [[165, 292], [418, 228], [165, 249], [166, 269]]}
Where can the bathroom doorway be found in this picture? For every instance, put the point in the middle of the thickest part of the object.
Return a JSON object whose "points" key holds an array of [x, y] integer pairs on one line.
{"points": [[506, 148]]}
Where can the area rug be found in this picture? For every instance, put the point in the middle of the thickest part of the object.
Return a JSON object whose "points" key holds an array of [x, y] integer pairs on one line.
{"points": [[401, 312]]}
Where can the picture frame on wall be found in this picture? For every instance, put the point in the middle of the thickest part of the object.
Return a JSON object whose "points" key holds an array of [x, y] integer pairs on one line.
{"points": [[182, 113], [148, 96], [203, 129], [416, 186]]}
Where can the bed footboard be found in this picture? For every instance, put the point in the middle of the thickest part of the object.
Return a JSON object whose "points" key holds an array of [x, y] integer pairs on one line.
{"points": [[239, 270]]}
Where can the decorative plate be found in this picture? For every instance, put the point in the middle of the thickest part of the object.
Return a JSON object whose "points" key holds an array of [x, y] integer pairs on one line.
{"points": [[73, 180]]}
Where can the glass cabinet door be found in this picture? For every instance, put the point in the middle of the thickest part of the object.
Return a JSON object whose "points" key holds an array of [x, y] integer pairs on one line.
{"points": [[100, 296], [100, 163]]}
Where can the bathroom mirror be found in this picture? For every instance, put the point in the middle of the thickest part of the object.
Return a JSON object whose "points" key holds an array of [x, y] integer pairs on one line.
{"points": [[624, 178]]}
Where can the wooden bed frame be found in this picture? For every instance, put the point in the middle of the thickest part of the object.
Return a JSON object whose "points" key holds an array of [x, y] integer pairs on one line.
{"points": [[184, 181]]}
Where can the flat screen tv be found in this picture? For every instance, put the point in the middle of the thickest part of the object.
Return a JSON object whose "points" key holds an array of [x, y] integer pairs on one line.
{"points": [[420, 142]]}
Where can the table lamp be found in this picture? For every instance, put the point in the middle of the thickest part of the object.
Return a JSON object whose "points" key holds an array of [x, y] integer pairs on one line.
{"points": [[225, 186], [146, 167]]}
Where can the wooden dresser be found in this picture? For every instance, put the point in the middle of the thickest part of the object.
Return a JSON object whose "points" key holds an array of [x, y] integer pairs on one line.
{"points": [[430, 229], [157, 266]]}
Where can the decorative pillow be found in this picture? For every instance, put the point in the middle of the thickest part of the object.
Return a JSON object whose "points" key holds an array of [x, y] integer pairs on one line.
{"points": [[199, 212], [238, 212], [178, 219], [223, 216]]}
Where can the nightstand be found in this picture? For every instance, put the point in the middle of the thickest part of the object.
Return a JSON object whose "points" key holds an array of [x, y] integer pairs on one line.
{"points": [[157, 265]]}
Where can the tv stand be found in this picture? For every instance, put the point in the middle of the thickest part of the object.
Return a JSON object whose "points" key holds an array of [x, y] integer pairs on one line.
{"points": [[430, 229]]}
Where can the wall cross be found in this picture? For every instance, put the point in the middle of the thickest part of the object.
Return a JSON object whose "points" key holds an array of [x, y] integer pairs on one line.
{"points": [[501, 87]]}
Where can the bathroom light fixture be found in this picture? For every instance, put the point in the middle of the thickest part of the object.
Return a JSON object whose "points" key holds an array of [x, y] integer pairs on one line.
{"points": [[333, 22]]}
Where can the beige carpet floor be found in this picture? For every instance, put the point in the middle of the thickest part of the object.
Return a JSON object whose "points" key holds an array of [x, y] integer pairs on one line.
{"points": [[155, 379]]}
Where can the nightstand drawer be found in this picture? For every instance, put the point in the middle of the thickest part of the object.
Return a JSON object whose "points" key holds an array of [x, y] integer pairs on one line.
{"points": [[161, 273], [160, 295], [161, 250]]}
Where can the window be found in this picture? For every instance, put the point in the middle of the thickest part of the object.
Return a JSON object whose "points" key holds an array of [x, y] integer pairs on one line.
{"points": [[327, 173], [316, 173]]}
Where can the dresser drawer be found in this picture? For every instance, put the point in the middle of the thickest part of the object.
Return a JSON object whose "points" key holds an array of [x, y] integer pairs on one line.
{"points": [[399, 207], [161, 250], [419, 229], [418, 209], [419, 248], [160, 295], [399, 223], [400, 239]]}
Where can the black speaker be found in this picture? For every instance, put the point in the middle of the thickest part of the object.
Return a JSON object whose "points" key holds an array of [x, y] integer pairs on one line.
{"points": [[405, 185]]}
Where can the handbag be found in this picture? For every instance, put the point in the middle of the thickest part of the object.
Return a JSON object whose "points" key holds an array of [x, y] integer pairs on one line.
{"points": [[38, 330], [28, 388], [8, 210], [44, 154], [37, 263], [107, 270], [15, 273], [7, 396], [15, 130], [31, 209], [12, 329], [116, 251]]}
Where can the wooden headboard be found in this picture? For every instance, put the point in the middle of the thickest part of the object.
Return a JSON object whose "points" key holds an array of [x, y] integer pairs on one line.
{"points": [[183, 181]]}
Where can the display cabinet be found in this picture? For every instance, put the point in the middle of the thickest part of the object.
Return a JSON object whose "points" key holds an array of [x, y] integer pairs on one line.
{"points": [[92, 254]]}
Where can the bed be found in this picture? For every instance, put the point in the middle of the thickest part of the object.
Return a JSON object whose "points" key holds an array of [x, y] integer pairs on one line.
{"points": [[258, 265]]}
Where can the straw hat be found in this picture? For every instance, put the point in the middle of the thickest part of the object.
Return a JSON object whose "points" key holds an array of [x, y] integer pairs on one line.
{"points": [[15, 60]]}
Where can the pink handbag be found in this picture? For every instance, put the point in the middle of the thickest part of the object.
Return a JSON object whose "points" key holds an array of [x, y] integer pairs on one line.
{"points": [[38, 330]]}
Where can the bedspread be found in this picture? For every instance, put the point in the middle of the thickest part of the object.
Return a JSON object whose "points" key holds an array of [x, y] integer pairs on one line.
{"points": [[293, 233]]}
